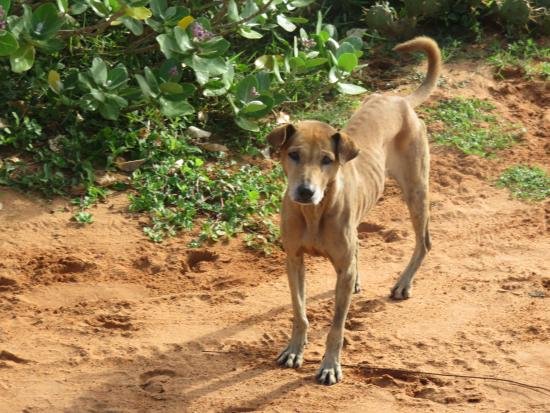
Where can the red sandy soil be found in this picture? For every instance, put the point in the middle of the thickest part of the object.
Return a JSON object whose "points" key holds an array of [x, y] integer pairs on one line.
{"points": [[98, 319]]}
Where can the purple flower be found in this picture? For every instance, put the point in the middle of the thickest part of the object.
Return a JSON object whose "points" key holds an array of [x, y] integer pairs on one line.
{"points": [[200, 33], [308, 43], [254, 93], [173, 71]]}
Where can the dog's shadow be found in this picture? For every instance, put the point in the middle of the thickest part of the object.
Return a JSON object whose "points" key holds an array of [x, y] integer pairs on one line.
{"points": [[176, 379]]}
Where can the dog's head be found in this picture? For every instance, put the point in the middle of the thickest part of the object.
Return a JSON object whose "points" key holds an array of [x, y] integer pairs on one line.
{"points": [[311, 153]]}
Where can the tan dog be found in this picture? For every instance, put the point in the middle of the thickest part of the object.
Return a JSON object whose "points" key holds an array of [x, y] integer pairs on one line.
{"points": [[334, 178]]}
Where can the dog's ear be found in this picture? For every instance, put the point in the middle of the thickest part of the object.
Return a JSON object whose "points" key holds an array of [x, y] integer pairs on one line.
{"points": [[280, 136], [344, 147]]}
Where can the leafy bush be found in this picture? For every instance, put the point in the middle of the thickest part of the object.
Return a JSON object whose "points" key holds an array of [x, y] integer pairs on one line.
{"points": [[401, 18], [192, 53]]}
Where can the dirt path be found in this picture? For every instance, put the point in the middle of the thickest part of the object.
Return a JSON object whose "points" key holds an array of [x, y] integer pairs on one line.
{"points": [[98, 319]]}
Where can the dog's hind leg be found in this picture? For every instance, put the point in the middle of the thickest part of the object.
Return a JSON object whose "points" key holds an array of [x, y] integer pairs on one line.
{"points": [[412, 174], [293, 354], [357, 286]]}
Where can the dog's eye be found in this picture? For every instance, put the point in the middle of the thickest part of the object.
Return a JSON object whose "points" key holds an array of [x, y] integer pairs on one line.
{"points": [[295, 156], [326, 160]]}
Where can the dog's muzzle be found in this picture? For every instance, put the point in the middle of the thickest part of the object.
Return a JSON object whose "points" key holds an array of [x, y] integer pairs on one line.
{"points": [[305, 194]]}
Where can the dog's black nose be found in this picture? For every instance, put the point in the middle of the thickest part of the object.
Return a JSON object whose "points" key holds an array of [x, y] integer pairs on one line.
{"points": [[304, 193]]}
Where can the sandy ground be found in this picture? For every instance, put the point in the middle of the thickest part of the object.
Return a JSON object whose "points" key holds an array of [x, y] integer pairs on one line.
{"points": [[98, 319]]}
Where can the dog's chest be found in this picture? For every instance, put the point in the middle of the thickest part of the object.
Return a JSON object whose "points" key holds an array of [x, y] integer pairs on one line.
{"points": [[313, 237]]}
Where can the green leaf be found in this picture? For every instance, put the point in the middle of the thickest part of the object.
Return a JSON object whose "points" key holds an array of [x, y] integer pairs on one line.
{"points": [[214, 47], [116, 100], [333, 75], [139, 13], [45, 21], [135, 26], [152, 80], [301, 3], [63, 5], [315, 62], [158, 7], [276, 70], [347, 62], [245, 88], [8, 44], [99, 8], [349, 89], [247, 124], [172, 108], [355, 41], [99, 71], [345, 48], [297, 63], [264, 62], [189, 90], [115, 5], [78, 8], [109, 110], [206, 67], [170, 70], [172, 15], [258, 108], [98, 95], [87, 102], [182, 40], [264, 81], [116, 77], [285, 23], [168, 45], [22, 59], [233, 11], [248, 33], [253, 106], [319, 24], [171, 88], [6, 4], [145, 88]]}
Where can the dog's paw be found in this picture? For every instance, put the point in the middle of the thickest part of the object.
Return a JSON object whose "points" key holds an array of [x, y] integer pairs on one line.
{"points": [[330, 373], [356, 288], [401, 291], [292, 356]]}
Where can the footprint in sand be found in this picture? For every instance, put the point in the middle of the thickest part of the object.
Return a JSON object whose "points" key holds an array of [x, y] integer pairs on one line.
{"points": [[154, 381]]}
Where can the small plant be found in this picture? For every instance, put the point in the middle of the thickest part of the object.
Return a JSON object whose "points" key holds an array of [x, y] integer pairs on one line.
{"points": [[470, 126], [83, 217], [526, 182], [524, 56]]}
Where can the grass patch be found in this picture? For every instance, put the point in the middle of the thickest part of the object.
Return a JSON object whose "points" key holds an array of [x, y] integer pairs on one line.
{"points": [[523, 56], [526, 182], [470, 126]]}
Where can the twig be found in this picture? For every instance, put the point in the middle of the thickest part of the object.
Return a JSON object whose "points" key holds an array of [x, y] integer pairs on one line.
{"points": [[95, 29], [389, 370], [219, 16], [253, 15]]}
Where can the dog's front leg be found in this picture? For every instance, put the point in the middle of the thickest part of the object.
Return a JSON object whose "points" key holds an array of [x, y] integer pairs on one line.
{"points": [[293, 354], [346, 268]]}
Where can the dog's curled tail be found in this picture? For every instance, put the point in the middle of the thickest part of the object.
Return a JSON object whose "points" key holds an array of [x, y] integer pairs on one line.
{"points": [[430, 47]]}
